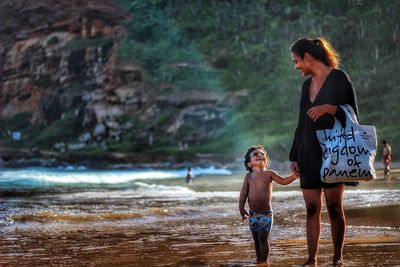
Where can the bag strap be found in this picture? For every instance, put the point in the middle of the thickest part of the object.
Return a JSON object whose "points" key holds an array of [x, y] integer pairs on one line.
{"points": [[351, 117]]}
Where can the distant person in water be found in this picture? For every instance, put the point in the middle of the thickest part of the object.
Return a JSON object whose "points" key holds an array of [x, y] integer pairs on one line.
{"points": [[257, 190], [386, 159], [189, 175]]}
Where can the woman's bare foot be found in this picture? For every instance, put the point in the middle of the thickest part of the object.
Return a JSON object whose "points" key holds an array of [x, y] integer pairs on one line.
{"points": [[338, 262]]}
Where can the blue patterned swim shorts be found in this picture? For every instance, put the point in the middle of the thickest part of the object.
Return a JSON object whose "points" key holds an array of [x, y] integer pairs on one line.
{"points": [[261, 221]]}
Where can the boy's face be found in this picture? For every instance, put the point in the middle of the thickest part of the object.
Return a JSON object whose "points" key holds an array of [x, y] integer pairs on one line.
{"points": [[258, 159]]}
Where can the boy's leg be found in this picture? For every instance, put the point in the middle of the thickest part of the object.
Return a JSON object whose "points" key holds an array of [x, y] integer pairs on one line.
{"points": [[264, 245], [313, 201], [257, 245], [334, 205]]}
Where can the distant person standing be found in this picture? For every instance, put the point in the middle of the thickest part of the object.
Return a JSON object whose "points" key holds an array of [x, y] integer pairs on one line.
{"points": [[386, 158], [189, 175]]}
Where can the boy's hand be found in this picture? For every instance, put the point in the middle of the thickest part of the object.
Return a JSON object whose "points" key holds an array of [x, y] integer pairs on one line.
{"points": [[244, 214], [295, 168]]}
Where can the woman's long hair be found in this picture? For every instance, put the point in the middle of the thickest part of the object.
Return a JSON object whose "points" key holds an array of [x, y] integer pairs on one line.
{"points": [[319, 48]]}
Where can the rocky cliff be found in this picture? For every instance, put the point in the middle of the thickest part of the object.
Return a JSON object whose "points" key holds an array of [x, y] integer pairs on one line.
{"points": [[58, 62]]}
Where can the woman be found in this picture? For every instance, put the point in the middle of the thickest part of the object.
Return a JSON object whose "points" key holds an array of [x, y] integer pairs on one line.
{"points": [[322, 93]]}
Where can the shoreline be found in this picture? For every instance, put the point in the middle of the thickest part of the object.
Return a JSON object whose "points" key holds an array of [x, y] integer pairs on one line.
{"points": [[25, 158], [20, 158]]}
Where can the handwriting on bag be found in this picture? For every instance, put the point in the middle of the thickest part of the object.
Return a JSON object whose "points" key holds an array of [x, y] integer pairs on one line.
{"points": [[346, 149]]}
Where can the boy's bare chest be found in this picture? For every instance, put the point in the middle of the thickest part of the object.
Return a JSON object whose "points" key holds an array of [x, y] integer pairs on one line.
{"points": [[260, 181]]}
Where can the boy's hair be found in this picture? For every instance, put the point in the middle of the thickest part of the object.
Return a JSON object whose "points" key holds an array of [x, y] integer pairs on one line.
{"points": [[247, 157]]}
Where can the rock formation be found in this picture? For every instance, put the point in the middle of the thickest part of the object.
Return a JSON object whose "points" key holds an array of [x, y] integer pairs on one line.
{"points": [[59, 57]]}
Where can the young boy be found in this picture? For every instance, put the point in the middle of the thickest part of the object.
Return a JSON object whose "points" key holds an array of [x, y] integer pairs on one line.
{"points": [[257, 189]]}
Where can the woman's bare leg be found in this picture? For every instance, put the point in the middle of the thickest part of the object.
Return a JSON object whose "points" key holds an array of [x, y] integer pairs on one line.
{"points": [[334, 205], [313, 201]]}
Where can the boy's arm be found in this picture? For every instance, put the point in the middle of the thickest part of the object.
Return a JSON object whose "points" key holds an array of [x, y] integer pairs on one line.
{"points": [[283, 180], [242, 198]]}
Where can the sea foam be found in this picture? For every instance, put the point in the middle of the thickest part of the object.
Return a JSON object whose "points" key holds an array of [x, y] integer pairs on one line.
{"points": [[46, 177]]}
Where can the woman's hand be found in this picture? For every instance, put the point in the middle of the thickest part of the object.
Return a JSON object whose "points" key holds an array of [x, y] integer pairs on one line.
{"points": [[316, 112], [295, 168]]}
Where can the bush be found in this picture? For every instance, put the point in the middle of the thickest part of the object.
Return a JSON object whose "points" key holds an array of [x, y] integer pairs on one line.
{"points": [[168, 57], [16, 123], [81, 43], [62, 130]]}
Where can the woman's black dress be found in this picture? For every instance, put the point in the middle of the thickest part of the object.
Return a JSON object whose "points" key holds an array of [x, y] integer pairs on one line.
{"points": [[337, 89]]}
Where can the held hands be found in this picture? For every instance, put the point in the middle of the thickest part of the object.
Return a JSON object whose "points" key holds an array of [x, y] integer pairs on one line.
{"points": [[295, 169]]}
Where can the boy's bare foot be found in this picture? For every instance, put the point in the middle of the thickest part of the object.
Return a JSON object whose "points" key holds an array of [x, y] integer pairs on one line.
{"points": [[310, 263], [338, 263], [262, 263]]}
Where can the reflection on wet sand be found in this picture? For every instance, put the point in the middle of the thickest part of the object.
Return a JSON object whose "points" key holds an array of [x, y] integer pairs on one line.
{"points": [[216, 242]]}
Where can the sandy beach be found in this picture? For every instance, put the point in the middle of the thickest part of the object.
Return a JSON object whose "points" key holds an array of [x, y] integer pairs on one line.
{"points": [[220, 242], [185, 237]]}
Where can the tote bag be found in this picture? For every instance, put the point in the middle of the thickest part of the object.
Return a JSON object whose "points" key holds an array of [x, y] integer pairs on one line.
{"points": [[348, 153]]}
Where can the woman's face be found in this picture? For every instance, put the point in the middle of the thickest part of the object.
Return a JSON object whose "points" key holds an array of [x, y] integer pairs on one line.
{"points": [[300, 64]]}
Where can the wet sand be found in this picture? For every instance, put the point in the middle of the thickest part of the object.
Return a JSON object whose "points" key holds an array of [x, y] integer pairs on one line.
{"points": [[373, 239], [220, 242]]}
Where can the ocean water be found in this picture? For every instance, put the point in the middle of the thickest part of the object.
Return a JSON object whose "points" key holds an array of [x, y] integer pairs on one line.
{"points": [[77, 216], [79, 195]]}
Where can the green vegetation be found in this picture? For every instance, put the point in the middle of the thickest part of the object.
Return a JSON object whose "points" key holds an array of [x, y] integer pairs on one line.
{"points": [[63, 129], [80, 43], [53, 40], [79, 86], [154, 40], [16, 123], [40, 135], [166, 116], [247, 44]]}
